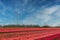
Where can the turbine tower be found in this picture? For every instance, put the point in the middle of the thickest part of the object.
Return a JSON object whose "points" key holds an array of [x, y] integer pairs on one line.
{"points": [[17, 16]]}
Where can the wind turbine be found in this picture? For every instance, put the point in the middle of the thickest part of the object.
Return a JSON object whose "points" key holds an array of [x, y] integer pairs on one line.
{"points": [[17, 13], [17, 16]]}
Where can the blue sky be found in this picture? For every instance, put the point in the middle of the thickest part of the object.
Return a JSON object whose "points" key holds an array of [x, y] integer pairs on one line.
{"points": [[39, 12]]}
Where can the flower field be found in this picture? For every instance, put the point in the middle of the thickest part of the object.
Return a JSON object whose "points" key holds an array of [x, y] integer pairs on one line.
{"points": [[29, 33]]}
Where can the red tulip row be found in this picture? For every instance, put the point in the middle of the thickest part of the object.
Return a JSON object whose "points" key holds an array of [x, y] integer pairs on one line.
{"points": [[28, 33], [53, 37]]}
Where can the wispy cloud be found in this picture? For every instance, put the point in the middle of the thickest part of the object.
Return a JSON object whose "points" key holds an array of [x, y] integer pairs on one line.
{"points": [[42, 16]]}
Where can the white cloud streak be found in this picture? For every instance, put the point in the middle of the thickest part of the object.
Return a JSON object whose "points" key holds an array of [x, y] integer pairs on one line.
{"points": [[43, 14]]}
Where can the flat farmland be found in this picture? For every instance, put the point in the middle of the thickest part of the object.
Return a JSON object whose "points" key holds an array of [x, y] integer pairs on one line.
{"points": [[29, 33]]}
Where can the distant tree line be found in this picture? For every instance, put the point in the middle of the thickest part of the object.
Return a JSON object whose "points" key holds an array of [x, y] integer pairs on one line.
{"points": [[28, 26]]}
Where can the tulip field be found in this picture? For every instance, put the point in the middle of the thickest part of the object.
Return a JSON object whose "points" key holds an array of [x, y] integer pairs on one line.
{"points": [[29, 33]]}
